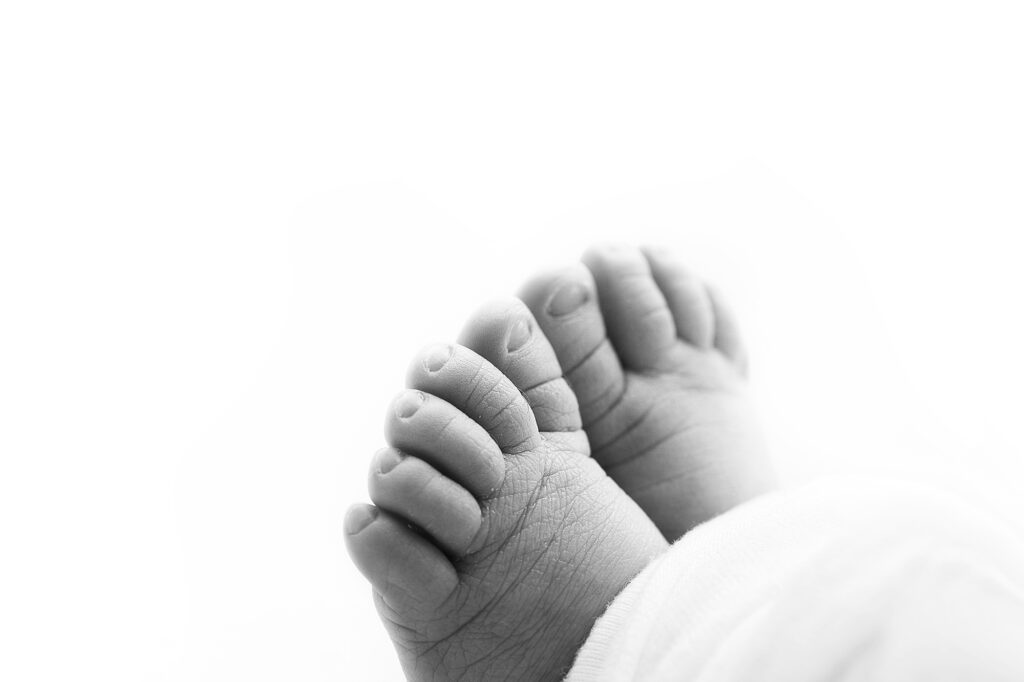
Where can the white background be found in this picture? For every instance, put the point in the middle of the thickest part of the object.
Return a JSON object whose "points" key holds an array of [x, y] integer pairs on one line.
{"points": [[227, 226]]}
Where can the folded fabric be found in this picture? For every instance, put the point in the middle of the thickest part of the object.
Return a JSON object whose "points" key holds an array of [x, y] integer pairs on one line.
{"points": [[840, 581]]}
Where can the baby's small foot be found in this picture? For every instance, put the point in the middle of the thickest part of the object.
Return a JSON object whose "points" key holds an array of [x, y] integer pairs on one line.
{"points": [[656, 363], [496, 541]]}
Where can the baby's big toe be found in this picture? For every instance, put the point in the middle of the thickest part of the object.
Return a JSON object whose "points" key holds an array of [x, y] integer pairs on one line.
{"points": [[636, 313], [702, 318], [505, 333], [565, 305], [686, 297]]}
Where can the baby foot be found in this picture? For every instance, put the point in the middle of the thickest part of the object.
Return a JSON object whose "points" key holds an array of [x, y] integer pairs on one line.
{"points": [[496, 541], [656, 363]]}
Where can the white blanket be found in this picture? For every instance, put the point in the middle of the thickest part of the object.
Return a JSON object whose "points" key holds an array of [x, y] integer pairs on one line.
{"points": [[839, 581]]}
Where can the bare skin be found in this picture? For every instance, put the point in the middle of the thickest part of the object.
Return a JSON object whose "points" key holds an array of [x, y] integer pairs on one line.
{"points": [[657, 365], [495, 540]]}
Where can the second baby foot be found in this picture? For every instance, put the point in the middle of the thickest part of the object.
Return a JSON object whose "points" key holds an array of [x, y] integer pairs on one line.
{"points": [[494, 541], [657, 365]]}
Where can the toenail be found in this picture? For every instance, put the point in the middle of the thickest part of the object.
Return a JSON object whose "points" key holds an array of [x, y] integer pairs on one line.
{"points": [[388, 459], [437, 357], [408, 403], [567, 299], [359, 518], [518, 335]]}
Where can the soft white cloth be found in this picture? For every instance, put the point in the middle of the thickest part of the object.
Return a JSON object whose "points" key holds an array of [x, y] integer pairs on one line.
{"points": [[839, 581]]}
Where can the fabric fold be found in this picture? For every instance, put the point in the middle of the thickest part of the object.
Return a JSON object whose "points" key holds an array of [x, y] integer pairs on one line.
{"points": [[841, 581]]}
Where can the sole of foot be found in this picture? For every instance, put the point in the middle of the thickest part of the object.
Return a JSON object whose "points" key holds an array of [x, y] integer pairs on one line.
{"points": [[657, 364], [494, 541]]}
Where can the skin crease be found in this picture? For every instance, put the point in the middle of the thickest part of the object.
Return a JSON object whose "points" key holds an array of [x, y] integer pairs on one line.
{"points": [[656, 362], [529, 480], [557, 539]]}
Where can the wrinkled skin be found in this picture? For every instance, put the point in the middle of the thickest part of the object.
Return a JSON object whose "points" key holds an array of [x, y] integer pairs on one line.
{"points": [[558, 543]]}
